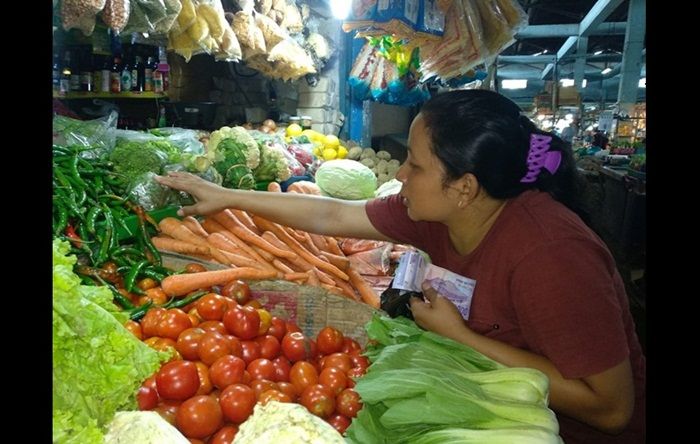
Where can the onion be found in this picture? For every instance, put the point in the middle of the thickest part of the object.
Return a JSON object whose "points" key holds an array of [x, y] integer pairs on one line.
{"points": [[270, 124]]}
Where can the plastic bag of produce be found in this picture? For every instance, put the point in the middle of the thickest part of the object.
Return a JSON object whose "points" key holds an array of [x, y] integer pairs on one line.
{"points": [[80, 14], [151, 195], [99, 134], [116, 14], [144, 15]]}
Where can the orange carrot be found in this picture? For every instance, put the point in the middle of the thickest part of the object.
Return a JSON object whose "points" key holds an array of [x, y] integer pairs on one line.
{"points": [[347, 289], [285, 237], [220, 241], [313, 278], [319, 241], [296, 276], [284, 268], [176, 229], [242, 261], [274, 187], [181, 284], [194, 226], [219, 256], [227, 219], [333, 289], [339, 261], [269, 257], [178, 246], [333, 246], [245, 249], [367, 294], [309, 244], [246, 220], [298, 262], [212, 226], [296, 234], [254, 239]]}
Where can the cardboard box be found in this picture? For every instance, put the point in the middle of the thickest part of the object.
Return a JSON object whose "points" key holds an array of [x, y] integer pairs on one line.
{"points": [[318, 100]]}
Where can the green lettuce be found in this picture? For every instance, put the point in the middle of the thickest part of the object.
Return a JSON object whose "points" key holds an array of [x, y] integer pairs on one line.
{"points": [[98, 365]]}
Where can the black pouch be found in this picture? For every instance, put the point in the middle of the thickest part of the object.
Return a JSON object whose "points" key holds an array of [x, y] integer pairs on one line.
{"points": [[395, 301]]}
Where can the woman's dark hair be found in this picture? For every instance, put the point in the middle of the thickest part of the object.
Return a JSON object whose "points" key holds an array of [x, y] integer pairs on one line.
{"points": [[483, 133]]}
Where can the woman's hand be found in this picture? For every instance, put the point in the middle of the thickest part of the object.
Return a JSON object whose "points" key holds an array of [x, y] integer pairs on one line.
{"points": [[438, 315], [209, 196]]}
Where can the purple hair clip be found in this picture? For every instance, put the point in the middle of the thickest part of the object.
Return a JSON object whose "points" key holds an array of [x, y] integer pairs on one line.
{"points": [[539, 157]]}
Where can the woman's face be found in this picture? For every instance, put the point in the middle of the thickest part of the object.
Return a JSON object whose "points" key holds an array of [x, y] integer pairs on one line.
{"points": [[421, 175]]}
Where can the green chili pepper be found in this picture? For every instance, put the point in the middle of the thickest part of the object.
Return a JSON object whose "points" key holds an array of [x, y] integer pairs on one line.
{"points": [[126, 249], [151, 273], [62, 220], [109, 220], [179, 303], [133, 274], [141, 311], [122, 300], [75, 173], [91, 218], [105, 241]]}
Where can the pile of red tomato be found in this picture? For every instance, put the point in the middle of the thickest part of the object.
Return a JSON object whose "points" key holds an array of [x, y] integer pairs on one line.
{"points": [[230, 354]]}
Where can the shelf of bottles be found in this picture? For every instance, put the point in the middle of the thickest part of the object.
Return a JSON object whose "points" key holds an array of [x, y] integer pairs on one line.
{"points": [[127, 72]]}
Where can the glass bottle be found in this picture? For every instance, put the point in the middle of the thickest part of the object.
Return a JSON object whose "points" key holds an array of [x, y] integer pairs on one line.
{"points": [[115, 81], [86, 81], [148, 74], [96, 72], [64, 84], [56, 73], [125, 75], [164, 68], [137, 75], [105, 73], [75, 72]]}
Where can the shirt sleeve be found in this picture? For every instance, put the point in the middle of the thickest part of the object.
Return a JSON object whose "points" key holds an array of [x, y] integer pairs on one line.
{"points": [[389, 216], [566, 299]]}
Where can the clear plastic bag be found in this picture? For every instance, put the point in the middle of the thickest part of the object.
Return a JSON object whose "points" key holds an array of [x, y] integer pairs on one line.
{"points": [[151, 195], [80, 14], [100, 134], [116, 14]]}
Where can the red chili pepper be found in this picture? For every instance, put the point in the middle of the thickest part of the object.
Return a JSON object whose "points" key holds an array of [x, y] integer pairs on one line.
{"points": [[75, 239]]}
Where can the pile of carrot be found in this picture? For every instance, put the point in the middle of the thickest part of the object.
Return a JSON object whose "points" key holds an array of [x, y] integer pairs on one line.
{"points": [[260, 249]]}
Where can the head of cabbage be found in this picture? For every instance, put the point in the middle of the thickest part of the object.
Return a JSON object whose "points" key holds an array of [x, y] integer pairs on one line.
{"points": [[346, 179]]}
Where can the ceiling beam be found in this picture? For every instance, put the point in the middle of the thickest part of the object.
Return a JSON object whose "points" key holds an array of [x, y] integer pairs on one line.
{"points": [[597, 15], [632, 56], [566, 30]]}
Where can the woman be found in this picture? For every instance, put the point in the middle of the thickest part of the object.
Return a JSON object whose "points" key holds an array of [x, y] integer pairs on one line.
{"points": [[489, 196]]}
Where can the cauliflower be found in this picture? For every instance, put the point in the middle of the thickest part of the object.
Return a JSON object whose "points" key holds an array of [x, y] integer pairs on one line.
{"points": [[235, 154], [273, 164]]}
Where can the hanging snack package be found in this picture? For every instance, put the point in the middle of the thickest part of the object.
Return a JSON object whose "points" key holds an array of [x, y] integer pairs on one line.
{"points": [[172, 10], [80, 14], [271, 31], [362, 71], [185, 19], [292, 21], [362, 13], [291, 60], [398, 17], [116, 14], [497, 33], [144, 15], [249, 35], [431, 20]]}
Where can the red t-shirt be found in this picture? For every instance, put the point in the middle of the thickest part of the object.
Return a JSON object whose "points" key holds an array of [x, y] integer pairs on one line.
{"points": [[544, 283]]}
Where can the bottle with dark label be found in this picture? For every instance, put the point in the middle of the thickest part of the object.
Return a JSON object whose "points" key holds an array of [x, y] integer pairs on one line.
{"points": [[137, 75], [56, 73], [64, 84], [148, 74], [115, 75]]}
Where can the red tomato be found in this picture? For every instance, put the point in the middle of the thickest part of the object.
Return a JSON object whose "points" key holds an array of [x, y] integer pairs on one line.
{"points": [[237, 402], [253, 303], [237, 290], [199, 417], [226, 370], [348, 403], [292, 327], [288, 389], [147, 395], [351, 346], [262, 385], [172, 323], [194, 317], [339, 360], [318, 400], [339, 422], [243, 322], [353, 374], [296, 347], [333, 378], [188, 343], [261, 368], [265, 321], [195, 441], [205, 385], [359, 361], [225, 435], [282, 368], [194, 267], [246, 378], [156, 295], [149, 323], [269, 346], [273, 395], [167, 409], [250, 351], [177, 380], [164, 344], [329, 340], [212, 346], [235, 345], [278, 328], [134, 328], [302, 375], [211, 307], [146, 284], [216, 326]]}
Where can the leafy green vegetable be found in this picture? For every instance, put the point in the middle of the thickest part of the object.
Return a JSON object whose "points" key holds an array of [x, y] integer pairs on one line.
{"points": [[346, 179], [134, 158], [452, 386], [98, 365]]}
